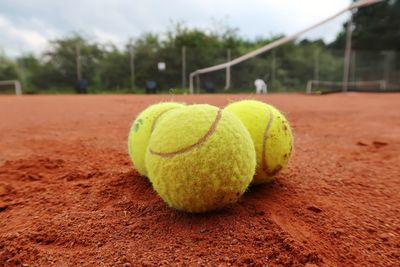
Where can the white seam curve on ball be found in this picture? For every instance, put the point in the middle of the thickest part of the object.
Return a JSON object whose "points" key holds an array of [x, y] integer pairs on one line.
{"points": [[264, 156], [201, 140]]}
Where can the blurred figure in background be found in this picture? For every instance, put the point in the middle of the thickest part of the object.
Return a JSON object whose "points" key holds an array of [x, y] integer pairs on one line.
{"points": [[261, 86]]}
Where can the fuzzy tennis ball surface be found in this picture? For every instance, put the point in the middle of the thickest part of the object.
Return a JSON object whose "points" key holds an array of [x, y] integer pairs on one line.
{"points": [[141, 130], [271, 134], [200, 158]]}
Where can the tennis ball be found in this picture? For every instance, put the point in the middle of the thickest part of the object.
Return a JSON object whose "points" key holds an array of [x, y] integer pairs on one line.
{"points": [[141, 130], [271, 134], [200, 158]]}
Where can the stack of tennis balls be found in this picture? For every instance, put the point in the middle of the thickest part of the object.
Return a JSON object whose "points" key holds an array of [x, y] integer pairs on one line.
{"points": [[201, 158]]}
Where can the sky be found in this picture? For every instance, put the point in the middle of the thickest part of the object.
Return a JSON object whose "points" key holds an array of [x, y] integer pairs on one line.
{"points": [[27, 25]]}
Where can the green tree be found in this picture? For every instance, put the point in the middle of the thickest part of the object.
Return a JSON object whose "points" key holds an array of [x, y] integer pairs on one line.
{"points": [[376, 28], [8, 68], [29, 69], [112, 70], [60, 62], [108, 67], [146, 49]]}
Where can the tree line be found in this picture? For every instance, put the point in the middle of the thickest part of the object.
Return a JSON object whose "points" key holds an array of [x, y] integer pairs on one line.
{"points": [[106, 67]]}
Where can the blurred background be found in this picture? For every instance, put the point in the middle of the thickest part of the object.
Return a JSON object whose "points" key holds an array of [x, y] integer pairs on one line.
{"points": [[128, 46]]}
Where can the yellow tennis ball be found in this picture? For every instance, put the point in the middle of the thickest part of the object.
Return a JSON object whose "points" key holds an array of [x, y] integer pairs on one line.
{"points": [[141, 130], [200, 158], [271, 134]]}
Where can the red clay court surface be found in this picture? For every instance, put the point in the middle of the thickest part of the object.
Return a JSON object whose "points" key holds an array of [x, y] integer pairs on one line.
{"points": [[70, 196]]}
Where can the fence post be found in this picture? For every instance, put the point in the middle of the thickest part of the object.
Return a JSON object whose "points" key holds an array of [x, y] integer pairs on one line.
{"points": [[78, 63], [198, 82], [316, 65], [228, 71], [183, 66], [386, 66], [273, 69], [347, 54], [132, 65], [353, 65]]}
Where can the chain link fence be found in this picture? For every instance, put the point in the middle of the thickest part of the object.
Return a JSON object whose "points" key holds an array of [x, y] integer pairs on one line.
{"points": [[285, 69]]}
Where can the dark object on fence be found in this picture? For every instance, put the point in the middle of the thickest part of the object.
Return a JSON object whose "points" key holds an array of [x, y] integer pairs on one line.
{"points": [[81, 86], [151, 87], [209, 86]]}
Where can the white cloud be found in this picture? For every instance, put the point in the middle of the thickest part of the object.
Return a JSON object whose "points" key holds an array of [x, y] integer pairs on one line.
{"points": [[31, 23], [16, 39], [106, 37]]}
